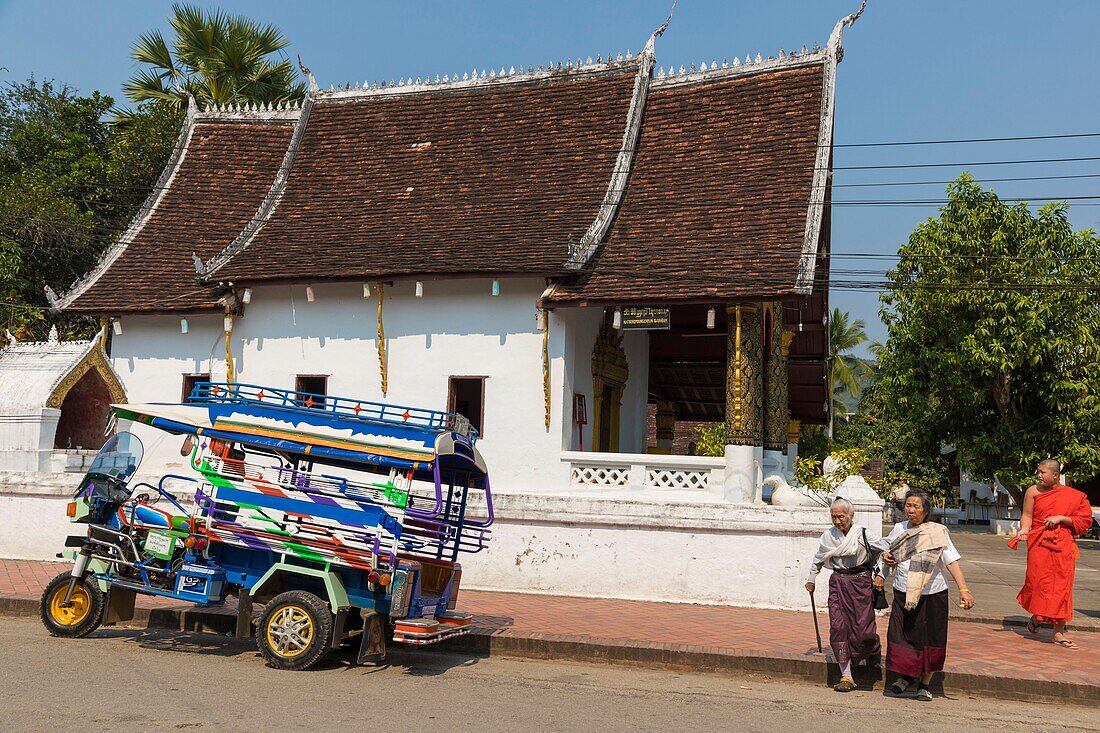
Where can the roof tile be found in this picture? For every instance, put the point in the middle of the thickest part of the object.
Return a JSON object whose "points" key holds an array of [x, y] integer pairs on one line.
{"points": [[223, 177], [717, 199], [495, 179]]}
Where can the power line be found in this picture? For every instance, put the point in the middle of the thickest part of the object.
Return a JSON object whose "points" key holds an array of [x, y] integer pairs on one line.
{"points": [[967, 140], [982, 181], [900, 166]]}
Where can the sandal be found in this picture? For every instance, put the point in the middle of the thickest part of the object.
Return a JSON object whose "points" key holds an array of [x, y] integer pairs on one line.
{"points": [[1033, 625], [845, 685], [1066, 643], [924, 694], [900, 686]]}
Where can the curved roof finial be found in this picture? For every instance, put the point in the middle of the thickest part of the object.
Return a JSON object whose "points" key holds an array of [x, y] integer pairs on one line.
{"points": [[192, 103], [836, 37], [664, 26], [309, 75], [855, 16]]}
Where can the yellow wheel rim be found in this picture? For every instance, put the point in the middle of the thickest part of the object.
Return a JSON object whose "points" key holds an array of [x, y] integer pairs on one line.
{"points": [[80, 605], [289, 631]]}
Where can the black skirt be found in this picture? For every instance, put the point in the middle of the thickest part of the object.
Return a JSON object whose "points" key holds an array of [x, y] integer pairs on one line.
{"points": [[917, 639]]}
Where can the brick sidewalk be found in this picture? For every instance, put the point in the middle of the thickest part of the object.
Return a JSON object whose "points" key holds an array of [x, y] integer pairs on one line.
{"points": [[985, 658]]}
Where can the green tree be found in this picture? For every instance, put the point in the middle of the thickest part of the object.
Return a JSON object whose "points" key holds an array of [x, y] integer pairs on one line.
{"points": [[846, 371], [993, 321], [69, 184], [219, 58], [908, 452], [54, 192]]}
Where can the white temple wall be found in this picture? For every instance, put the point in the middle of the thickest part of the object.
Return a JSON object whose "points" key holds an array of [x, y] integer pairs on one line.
{"points": [[655, 548], [456, 329], [583, 325], [632, 414], [151, 356], [27, 437]]}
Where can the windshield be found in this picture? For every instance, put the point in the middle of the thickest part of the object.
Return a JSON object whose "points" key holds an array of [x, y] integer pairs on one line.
{"points": [[119, 457]]}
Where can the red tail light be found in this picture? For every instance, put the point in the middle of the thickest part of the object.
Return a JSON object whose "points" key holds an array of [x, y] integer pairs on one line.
{"points": [[70, 510], [377, 578]]}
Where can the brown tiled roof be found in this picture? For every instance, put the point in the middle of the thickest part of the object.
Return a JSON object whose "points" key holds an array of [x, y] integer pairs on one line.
{"points": [[716, 206], [491, 178], [224, 173]]}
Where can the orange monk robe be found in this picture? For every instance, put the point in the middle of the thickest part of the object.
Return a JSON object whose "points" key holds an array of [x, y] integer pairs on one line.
{"points": [[1052, 554]]}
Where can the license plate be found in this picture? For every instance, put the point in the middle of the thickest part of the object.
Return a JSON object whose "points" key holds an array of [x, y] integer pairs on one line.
{"points": [[160, 545]]}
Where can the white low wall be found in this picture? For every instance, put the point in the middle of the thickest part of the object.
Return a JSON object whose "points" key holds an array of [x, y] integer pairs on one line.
{"points": [[33, 525], [631, 545], [649, 548]]}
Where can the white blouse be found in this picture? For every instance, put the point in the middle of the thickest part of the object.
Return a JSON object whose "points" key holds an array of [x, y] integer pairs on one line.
{"points": [[936, 581], [832, 539]]}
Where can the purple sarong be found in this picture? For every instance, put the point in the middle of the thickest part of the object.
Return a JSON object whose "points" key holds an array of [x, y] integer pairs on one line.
{"points": [[852, 632]]}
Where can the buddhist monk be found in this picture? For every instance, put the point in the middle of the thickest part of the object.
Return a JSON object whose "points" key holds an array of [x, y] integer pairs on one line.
{"points": [[1052, 516]]}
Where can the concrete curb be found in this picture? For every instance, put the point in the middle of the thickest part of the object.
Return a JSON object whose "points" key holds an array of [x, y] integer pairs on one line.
{"points": [[1018, 622], [680, 657]]}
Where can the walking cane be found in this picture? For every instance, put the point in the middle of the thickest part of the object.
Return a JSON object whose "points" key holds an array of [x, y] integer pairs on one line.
{"points": [[817, 630]]}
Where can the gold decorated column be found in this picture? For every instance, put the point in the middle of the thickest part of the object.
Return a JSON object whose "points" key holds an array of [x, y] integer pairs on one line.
{"points": [[744, 375], [777, 411], [666, 427]]}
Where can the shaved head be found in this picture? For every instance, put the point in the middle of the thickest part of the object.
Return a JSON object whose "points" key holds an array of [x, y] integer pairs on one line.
{"points": [[1049, 473]]}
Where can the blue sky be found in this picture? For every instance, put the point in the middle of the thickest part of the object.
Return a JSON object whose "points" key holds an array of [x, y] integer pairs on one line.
{"points": [[934, 69]]}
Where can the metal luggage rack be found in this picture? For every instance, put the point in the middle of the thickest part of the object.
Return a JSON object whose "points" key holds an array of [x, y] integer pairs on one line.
{"points": [[434, 421], [387, 493]]}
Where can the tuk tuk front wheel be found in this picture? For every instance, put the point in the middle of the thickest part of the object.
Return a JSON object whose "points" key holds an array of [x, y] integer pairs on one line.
{"points": [[294, 630], [80, 616]]}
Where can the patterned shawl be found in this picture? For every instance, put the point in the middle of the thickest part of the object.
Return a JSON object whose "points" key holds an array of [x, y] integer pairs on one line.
{"points": [[921, 546]]}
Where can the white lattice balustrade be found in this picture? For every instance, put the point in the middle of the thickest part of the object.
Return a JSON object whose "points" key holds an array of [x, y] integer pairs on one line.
{"points": [[673, 479], [644, 472], [599, 476]]}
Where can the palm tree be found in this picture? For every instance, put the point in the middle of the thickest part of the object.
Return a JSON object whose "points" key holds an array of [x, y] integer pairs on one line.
{"points": [[845, 370], [219, 58]]}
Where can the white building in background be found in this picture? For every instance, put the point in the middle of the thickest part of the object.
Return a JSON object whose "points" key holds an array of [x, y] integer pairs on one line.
{"points": [[524, 247], [54, 400]]}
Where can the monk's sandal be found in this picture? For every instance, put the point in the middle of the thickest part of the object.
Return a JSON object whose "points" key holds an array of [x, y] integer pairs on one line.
{"points": [[845, 685], [924, 694]]}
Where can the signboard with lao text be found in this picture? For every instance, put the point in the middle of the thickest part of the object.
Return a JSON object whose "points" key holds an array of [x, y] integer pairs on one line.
{"points": [[644, 317]]}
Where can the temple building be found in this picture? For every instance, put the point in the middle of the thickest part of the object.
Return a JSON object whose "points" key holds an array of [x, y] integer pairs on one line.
{"points": [[552, 251], [55, 396]]}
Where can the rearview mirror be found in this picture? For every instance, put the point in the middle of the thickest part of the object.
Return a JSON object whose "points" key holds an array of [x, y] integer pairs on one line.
{"points": [[188, 445]]}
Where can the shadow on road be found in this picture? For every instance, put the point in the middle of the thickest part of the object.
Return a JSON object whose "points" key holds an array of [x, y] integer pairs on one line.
{"points": [[429, 661]]}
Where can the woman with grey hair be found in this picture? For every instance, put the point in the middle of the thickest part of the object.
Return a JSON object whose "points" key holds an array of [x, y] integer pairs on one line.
{"points": [[844, 549]]}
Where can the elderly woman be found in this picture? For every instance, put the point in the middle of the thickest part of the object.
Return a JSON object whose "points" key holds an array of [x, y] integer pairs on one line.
{"points": [[919, 551], [844, 549]]}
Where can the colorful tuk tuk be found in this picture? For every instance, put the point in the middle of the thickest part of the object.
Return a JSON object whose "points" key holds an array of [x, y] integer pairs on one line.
{"points": [[344, 517]]}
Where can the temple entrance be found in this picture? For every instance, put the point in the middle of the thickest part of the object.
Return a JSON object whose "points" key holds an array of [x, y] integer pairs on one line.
{"points": [[609, 375], [83, 414], [688, 372]]}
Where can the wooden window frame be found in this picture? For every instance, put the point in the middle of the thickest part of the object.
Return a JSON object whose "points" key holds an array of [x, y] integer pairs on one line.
{"points": [[194, 377], [451, 399], [298, 390]]}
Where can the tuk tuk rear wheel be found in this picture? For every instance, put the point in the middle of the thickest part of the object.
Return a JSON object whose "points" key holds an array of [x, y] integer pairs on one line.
{"points": [[294, 630], [82, 615]]}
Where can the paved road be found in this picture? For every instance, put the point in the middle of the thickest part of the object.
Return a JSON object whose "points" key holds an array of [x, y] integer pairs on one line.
{"points": [[995, 574], [137, 680]]}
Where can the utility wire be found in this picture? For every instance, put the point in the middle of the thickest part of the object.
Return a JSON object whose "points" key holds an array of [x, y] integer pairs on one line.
{"points": [[901, 166], [967, 140]]}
